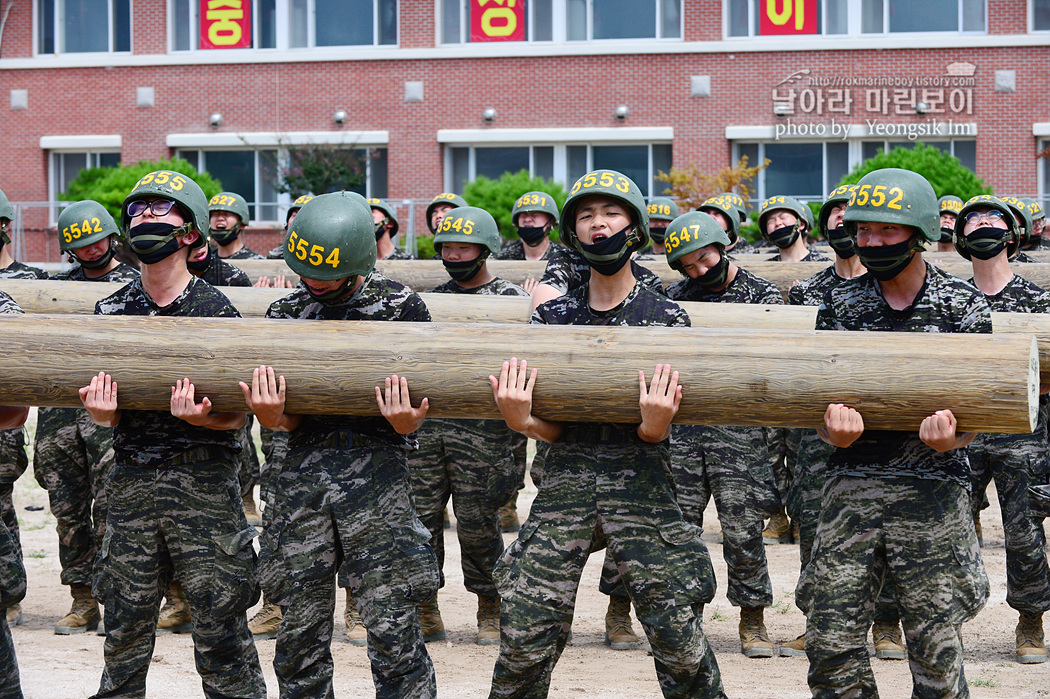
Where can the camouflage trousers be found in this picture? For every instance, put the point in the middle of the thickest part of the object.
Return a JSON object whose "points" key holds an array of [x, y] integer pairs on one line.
{"points": [[734, 464], [13, 463], [1014, 469], [12, 591], [519, 447], [275, 449], [595, 495], [248, 468], [469, 461], [184, 519], [917, 533], [71, 459], [349, 510]]}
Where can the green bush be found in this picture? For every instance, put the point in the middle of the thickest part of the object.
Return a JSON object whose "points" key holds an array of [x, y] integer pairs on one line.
{"points": [[425, 247], [498, 197], [110, 185], [943, 171]]}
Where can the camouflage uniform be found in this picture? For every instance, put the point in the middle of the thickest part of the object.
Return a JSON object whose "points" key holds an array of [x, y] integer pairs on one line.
{"points": [[242, 254], [342, 504], [811, 256], [12, 591], [515, 250], [1017, 461], [567, 270], [732, 463], [895, 509], [72, 457], [742, 247], [17, 270], [1024, 258], [605, 487], [174, 510], [398, 254], [222, 273]]}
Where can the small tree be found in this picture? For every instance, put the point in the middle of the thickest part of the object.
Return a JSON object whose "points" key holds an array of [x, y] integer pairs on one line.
{"points": [[942, 170], [322, 168], [498, 196], [110, 185], [691, 187]]}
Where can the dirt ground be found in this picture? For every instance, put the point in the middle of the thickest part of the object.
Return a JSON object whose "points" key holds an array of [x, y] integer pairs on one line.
{"points": [[66, 667]]}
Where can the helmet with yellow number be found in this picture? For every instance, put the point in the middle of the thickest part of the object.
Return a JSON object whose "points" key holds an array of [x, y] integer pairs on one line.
{"points": [[84, 223], [178, 188], [662, 209], [444, 199], [690, 232], [332, 237], [232, 202], [894, 195], [977, 245], [613, 185], [468, 224], [949, 204], [737, 201], [299, 203], [535, 202], [723, 204], [387, 211], [838, 196], [1022, 215]]}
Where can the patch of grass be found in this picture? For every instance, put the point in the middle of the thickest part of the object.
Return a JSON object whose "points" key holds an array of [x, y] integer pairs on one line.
{"points": [[35, 554], [781, 607], [718, 615], [981, 682]]}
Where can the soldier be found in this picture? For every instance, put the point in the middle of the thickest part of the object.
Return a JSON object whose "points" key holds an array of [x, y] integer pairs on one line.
{"points": [[784, 223], [386, 230], [605, 484], [535, 215], [949, 206], [469, 461], [278, 252], [12, 572], [662, 210], [1035, 240], [13, 458], [73, 455], [174, 505], [985, 234], [740, 246], [735, 464], [895, 504], [1023, 224], [216, 271], [440, 205], [341, 500], [228, 216], [725, 214]]}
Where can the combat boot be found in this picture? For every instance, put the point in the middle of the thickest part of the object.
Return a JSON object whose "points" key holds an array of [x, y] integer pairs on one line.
{"points": [[796, 648], [778, 531], [251, 512], [508, 516], [175, 614], [266, 622], [889, 644], [618, 632], [356, 632], [754, 640], [1030, 646], [430, 620], [83, 616], [14, 615], [488, 620]]}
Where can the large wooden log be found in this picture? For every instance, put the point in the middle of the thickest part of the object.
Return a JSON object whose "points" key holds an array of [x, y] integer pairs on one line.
{"points": [[774, 378]]}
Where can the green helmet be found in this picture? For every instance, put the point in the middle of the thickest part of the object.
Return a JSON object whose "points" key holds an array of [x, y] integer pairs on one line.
{"points": [[949, 204], [690, 232], [723, 204], [468, 224], [232, 202], [332, 237], [807, 214], [7, 214], [893, 195], [535, 202], [839, 195], [662, 209], [387, 210], [453, 200], [84, 223], [1022, 215], [299, 203], [737, 201], [782, 202], [178, 188], [1034, 208], [615, 185], [987, 201]]}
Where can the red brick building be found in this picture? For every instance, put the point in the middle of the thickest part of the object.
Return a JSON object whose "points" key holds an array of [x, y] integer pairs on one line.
{"points": [[637, 85]]}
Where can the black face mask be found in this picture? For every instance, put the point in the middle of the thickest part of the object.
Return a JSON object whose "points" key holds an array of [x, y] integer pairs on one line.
{"points": [[985, 242], [657, 233], [380, 230], [946, 234], [532, 235], [225, 236], [465, 270], [784, 237], [333, 295], [155, 241], [608, 256], [717, 275], [887, 261], [100, 262], [841, 242], [200, 265]]}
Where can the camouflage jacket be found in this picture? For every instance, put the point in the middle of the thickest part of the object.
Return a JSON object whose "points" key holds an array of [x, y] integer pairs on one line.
{"points": [[515, 250], [811, 256], [242, 254], [742, 247], [568, 270], [222, 273], [8, 304], [152, 437], [745, 288], [17, 270], [811, 291], [944, 304], [379, 298], [496, 287], [399, 254], [120, 273]]}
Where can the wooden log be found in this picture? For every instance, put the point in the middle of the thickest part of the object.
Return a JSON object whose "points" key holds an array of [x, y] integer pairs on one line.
{"points": [[586, 373]]}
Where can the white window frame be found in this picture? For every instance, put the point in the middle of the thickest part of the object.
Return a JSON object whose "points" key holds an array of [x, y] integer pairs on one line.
{"points": [[60, 38], [92, 146]]}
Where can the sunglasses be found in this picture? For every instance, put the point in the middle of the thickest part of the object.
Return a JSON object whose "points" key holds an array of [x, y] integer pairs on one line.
{"points": [[159, 207]]}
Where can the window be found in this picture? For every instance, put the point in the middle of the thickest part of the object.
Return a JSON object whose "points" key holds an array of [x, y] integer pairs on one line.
{"points": [[1044, 179], [577, 20], [857, 17], [254, 175], [284, 24], [1040, 10], [83, 26], [564, 163], [964, 150], [65, 166]]}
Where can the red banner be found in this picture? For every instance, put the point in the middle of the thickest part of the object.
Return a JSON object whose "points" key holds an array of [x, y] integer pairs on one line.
{"points": [[497, 20], [787, 17], [226, 24]]}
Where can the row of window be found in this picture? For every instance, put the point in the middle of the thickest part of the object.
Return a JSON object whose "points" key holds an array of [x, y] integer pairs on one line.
{"points": [[79, 26]]}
